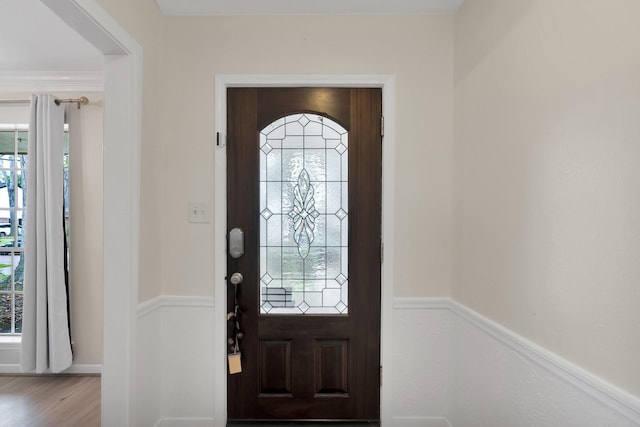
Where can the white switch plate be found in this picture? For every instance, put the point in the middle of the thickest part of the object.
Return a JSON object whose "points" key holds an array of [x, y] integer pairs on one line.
{"points": [[199, 212]]}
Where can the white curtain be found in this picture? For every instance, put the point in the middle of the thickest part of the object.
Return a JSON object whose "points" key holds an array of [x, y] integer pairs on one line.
{"points": [[46, 344]]}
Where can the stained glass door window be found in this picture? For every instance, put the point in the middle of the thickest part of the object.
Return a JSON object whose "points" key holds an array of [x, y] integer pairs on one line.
{"points": [[304, 216]]}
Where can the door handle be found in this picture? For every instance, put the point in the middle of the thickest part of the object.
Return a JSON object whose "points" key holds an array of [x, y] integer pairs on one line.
{"points": [[236, 278]]}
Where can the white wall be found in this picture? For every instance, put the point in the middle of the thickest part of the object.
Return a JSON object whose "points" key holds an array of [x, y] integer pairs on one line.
{"points": [[456, 368], [547, 100], [421, 363], [14, 113], [498, 379], [174, 362], [149, 366], [452, 368]]}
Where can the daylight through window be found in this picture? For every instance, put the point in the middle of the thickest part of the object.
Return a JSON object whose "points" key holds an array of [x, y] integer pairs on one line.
{"points": [[13, 201]]}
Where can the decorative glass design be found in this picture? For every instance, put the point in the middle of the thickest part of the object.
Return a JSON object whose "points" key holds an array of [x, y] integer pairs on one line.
{"points": [[304, 216]]}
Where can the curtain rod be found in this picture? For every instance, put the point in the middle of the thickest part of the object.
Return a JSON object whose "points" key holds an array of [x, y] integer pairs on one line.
{"points": [[83, 100]]}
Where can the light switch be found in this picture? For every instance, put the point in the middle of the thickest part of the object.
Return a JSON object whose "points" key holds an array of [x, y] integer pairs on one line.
{"points": [[199, 212]]}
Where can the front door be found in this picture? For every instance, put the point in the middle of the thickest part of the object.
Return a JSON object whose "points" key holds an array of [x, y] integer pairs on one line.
{"points": [[304, 172]]}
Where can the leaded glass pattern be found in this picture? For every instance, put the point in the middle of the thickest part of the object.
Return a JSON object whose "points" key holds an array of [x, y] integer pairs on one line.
{"points": [[304, 216]]}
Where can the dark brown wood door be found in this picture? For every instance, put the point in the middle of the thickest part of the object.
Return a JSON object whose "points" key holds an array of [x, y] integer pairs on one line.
{"points": [[304, 174]]}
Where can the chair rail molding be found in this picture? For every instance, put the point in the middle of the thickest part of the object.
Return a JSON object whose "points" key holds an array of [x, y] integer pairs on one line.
{"points": [[475, 339]]}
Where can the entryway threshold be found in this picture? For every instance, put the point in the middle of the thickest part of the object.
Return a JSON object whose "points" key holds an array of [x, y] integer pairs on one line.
{"points": [[304, 423]]}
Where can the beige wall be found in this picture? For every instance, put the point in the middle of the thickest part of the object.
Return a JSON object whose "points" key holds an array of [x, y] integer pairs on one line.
{"points": [[418, 50], [547, 142], [182, 57], [143, 21], [86, 272]]}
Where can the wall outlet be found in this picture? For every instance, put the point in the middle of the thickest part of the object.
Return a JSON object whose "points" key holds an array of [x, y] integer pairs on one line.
{"points": [[199, 212]]}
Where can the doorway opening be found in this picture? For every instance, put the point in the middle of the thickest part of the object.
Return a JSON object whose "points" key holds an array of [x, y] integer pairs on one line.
{"points": [[387, 85]]}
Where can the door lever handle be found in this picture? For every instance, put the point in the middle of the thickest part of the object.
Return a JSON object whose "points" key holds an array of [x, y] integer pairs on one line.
{"points": [[236, 278]]}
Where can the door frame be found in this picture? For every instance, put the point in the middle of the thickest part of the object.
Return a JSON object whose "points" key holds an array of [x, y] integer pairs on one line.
{"points": [[223, 81], [121, 197]]}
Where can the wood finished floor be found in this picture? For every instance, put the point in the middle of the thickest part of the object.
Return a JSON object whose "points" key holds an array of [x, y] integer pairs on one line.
{"points": [[49, 401]]}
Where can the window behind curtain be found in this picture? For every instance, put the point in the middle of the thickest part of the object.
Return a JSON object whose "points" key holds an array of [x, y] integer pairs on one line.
{"points": [[13, 198]]}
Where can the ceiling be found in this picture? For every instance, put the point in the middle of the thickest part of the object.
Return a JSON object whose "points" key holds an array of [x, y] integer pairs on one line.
{"points": [[33, 38]]}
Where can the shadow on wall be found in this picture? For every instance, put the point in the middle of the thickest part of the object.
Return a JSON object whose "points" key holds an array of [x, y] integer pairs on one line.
{"points": [[498, 19]]}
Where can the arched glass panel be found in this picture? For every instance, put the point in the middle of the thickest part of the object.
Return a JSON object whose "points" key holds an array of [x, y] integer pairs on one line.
{"points": [[304, 216]]}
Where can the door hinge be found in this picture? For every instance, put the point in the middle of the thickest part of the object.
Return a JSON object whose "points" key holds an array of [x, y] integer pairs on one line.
{"points": [[380, 376], [382, 126], [381, 252]]}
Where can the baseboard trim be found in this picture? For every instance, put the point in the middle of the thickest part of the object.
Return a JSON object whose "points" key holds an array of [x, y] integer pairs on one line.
{"points": [[185, 422], [421, 422], [613, 397], [424, 303], [73, 369], [84, 369], [158, 302]]}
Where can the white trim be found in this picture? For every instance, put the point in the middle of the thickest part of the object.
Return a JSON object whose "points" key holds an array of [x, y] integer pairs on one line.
{"points": [[121, 231], [10, 368], [219, 254], [422, 303], [93, 24], [73, 369], [84, 369], [51, 81], [297, 80], [10, 342], [388, 241], [388, 85], [156, 303], [613, 397], [185, 422], [421, 422], [619, 400], [327, 7]]}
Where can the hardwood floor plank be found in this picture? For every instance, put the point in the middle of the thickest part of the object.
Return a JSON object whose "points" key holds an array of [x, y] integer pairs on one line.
{"points": [[49, 401]]}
